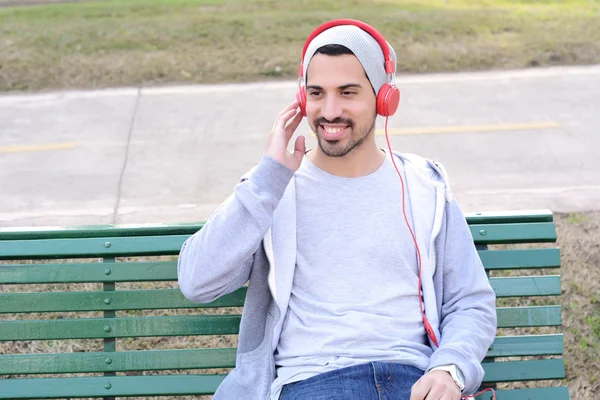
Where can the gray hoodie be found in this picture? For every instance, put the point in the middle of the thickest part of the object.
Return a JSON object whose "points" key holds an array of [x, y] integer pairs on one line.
{"points": [[252, 237]]}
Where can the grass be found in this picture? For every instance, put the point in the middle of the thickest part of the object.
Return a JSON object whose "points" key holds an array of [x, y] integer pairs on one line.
{"points": [[578, 235], [580, 252], [152, 42]]}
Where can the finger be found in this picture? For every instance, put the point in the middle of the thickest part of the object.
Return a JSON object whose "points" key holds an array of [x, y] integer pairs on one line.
{"points": [[285, 118], [420, 389], [433, 395], [300, 147], [292, 106], [291, 128], [455, 395], [281, 131], [279, 124], [437, 392], [450, 396]]}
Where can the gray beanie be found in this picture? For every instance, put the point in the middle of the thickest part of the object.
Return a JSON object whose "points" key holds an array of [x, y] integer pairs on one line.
{"points": [[364, 46]]}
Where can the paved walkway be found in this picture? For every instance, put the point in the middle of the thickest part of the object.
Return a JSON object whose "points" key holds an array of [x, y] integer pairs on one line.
{"points": [[510, 140]]}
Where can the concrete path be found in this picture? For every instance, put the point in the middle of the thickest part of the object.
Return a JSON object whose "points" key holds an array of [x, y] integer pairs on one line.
{"points": [[510, 140]]}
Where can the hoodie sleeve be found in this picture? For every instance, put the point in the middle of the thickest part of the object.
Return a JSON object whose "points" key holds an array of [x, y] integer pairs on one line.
{"points": [[468, 310], [218, 258]]}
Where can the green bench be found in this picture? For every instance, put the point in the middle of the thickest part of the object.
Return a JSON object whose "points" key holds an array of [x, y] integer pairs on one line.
{"points": [[78, 306]]}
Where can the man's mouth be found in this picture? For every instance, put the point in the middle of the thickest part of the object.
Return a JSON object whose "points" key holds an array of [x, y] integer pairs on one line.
{"points": [[333, 132]]}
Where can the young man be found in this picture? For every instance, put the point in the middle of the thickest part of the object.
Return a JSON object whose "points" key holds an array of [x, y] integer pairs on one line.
{"points": [[351, 252]]}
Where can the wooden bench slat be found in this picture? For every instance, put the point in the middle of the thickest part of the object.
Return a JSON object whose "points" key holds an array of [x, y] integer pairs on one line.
{"points": [[548, 285], [173, 298], [206, 325], [520, 317], [44, 388], [91, 247], [520, 259], [544, 393], [151, 299], [66, 388], [528, 370], [530, 345], [88, 272], [508, 317], [141, 360], [167, 270], [171, 244], [214, 358], [509, 217], [91, 328], [539, 232], [121, 230], [98, 231]]}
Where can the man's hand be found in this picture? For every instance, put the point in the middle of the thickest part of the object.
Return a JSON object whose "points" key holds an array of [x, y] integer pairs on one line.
{"points": [[280, 137], [435, 385]]}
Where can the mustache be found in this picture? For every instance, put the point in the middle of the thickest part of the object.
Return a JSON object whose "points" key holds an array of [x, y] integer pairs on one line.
{"points": [[321, 120]]}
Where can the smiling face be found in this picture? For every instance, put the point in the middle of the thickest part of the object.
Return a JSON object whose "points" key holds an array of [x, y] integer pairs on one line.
{"points": [[340, 103]]}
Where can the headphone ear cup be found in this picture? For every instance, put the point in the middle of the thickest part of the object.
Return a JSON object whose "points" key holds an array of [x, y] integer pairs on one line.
{"points": [[388, 100], [301, 97]]}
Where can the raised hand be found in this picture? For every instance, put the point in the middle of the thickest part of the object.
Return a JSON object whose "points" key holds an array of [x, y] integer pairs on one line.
{"points": [[281, 134]]}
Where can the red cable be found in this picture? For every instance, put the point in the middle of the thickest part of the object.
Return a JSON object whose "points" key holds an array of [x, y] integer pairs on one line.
{"points": [[477, 394], [426, 324]]}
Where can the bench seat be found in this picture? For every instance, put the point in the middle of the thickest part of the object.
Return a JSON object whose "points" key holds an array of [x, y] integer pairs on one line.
{"points": [[112, 285]]}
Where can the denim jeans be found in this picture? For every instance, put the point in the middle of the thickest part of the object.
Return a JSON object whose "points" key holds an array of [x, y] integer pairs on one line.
{"points": [[370, 381]]}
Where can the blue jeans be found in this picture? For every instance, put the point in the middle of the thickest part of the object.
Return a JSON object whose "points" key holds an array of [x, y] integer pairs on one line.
{"points": [[370, 381]]}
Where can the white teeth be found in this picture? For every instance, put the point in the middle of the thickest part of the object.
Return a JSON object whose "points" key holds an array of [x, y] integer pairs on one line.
{"points": [[333, 130]]}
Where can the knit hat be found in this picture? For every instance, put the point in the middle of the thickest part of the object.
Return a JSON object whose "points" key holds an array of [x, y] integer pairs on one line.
{"points": [[362, 44]]}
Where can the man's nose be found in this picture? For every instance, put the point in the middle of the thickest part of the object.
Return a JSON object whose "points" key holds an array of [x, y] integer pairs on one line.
{"points": [[331, 108]]}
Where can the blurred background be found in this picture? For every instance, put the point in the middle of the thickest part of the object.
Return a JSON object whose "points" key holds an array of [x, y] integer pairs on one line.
{"points": [[148, 111]]}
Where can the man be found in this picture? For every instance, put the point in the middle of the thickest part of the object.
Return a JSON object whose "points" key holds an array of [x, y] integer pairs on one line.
{"points": [[361, 285]]}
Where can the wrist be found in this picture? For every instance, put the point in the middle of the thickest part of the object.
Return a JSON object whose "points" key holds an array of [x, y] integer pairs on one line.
{"points": [[454, 373], [271, 176]]}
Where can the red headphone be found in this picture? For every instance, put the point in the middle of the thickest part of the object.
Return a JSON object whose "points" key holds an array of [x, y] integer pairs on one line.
{"points": [[388, 97]]}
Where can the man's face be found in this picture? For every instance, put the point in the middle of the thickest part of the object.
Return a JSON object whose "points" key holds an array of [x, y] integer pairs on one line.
{"points": [[340, 103]]}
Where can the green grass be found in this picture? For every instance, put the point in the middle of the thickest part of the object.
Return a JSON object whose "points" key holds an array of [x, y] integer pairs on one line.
{"points": [[149, 42]]}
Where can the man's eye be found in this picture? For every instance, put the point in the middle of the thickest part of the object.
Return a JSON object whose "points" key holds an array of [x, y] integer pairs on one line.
{"points": [[314, 93], [347, 93]]}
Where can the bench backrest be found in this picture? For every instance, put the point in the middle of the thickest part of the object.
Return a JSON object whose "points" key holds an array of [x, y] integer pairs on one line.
{"points": [[95, 312]]}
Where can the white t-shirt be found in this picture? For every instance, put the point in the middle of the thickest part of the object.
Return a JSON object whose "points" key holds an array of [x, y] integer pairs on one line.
{"points": [[354, 296]]}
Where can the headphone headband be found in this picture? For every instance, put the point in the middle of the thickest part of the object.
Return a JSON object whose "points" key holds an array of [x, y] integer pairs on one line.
{"points": [[388, 95], [389, 62]]}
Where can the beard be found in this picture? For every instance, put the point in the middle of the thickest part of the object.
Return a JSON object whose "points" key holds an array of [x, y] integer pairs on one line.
{"points": [[337, 148]]}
